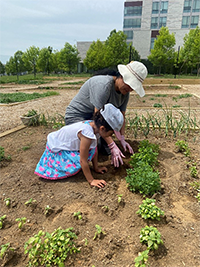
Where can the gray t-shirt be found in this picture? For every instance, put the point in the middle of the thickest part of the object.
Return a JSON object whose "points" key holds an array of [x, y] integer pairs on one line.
{"points": [[95, 92]]}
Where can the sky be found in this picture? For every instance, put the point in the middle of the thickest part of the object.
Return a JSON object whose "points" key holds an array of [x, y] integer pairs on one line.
{"points": [[44, 23]]}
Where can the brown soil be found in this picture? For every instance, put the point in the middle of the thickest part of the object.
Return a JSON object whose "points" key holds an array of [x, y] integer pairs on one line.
{"points": [[180, 227]]}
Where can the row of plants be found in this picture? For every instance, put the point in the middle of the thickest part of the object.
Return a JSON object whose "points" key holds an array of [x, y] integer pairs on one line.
{"points": [[165, 120], [20, 97]]}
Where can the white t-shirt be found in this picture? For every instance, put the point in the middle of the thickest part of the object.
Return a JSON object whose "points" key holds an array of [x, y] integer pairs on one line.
{"points": [[67, 137]]}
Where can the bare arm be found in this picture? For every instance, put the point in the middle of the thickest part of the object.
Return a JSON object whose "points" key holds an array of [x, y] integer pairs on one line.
{"points": [[84, 151]]}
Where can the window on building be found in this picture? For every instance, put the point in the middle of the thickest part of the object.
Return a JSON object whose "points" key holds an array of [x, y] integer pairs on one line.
{"points": [[194, 21], [129, 34], [162, 22], [132, 23], [187, 6], [133, 11], [155, 7], [185, 21], [154, 35], [164, 7], [196, 6], [154, 22]]}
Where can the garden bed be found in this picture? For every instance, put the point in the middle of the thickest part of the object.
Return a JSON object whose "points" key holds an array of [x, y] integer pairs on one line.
{"points": [[120, 245]]}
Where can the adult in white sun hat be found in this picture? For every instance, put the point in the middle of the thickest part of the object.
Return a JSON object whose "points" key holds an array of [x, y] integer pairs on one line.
{"points": [[108, 87]]}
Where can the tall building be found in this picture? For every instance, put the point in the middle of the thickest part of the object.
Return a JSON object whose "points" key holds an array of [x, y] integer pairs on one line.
{"points": [[143, 19]]}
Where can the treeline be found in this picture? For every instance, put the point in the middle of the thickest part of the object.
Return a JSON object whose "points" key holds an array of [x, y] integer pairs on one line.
{"points": [[162, 59]]}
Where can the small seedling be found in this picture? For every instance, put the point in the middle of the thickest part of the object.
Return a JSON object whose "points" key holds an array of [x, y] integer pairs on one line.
{"points": [[21, 221], [148, 210], [47, 210], [78, 215], [2, 155], [119, 199], [30, 201], [150, 236], [183, 147], [193, 171], [4, 249], [105, 208], [2, 218], [7, 200], [98, 232], [142, 259]]}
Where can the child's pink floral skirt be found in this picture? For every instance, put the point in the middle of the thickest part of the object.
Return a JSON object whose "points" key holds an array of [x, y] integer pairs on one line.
{"points": [[61, 164]]}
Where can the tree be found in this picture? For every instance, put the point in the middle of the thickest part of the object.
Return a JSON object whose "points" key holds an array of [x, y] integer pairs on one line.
{"points": [[68, 58], [133, 53], [45, 60], [190, 53], [2, 68], [163, 52], [116, 49], [95, 56], [30, 57]]}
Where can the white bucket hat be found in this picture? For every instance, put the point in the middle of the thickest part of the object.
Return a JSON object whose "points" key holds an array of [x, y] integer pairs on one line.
{"points": [[134, 74], [113, 116]]}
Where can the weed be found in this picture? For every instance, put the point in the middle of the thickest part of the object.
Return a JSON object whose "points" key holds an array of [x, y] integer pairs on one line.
{"points": [[2, 218], [98, 232], [157, 105], [148, 210], [45, 249], [30, 113], [150, 236], [2, 155], [21, 221], [24, 148]]}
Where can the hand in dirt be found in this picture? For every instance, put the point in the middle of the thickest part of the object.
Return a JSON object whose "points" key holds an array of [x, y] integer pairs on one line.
{"points": [[101, 170], [98, 183]]}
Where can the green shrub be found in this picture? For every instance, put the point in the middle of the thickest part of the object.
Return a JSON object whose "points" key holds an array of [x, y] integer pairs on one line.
{"points": [[143, 179], [148, 210], [150, 236], [45, 249]]}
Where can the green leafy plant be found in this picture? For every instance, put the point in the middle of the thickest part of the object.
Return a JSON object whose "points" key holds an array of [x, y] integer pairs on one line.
{"points": [[7, 201], [2, 218], [143, 179], [150, 236], [49, 249], [183, 147], [21, 221], [148, 210], [78, 215], [142, 259], [99, 233]]}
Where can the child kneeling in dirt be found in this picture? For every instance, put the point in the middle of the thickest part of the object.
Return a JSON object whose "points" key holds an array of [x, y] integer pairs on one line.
{"points": [[69, 149]]}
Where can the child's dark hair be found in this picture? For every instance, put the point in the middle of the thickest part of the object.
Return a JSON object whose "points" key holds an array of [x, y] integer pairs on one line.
{"points": [[100, 121], [108, 71]]}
